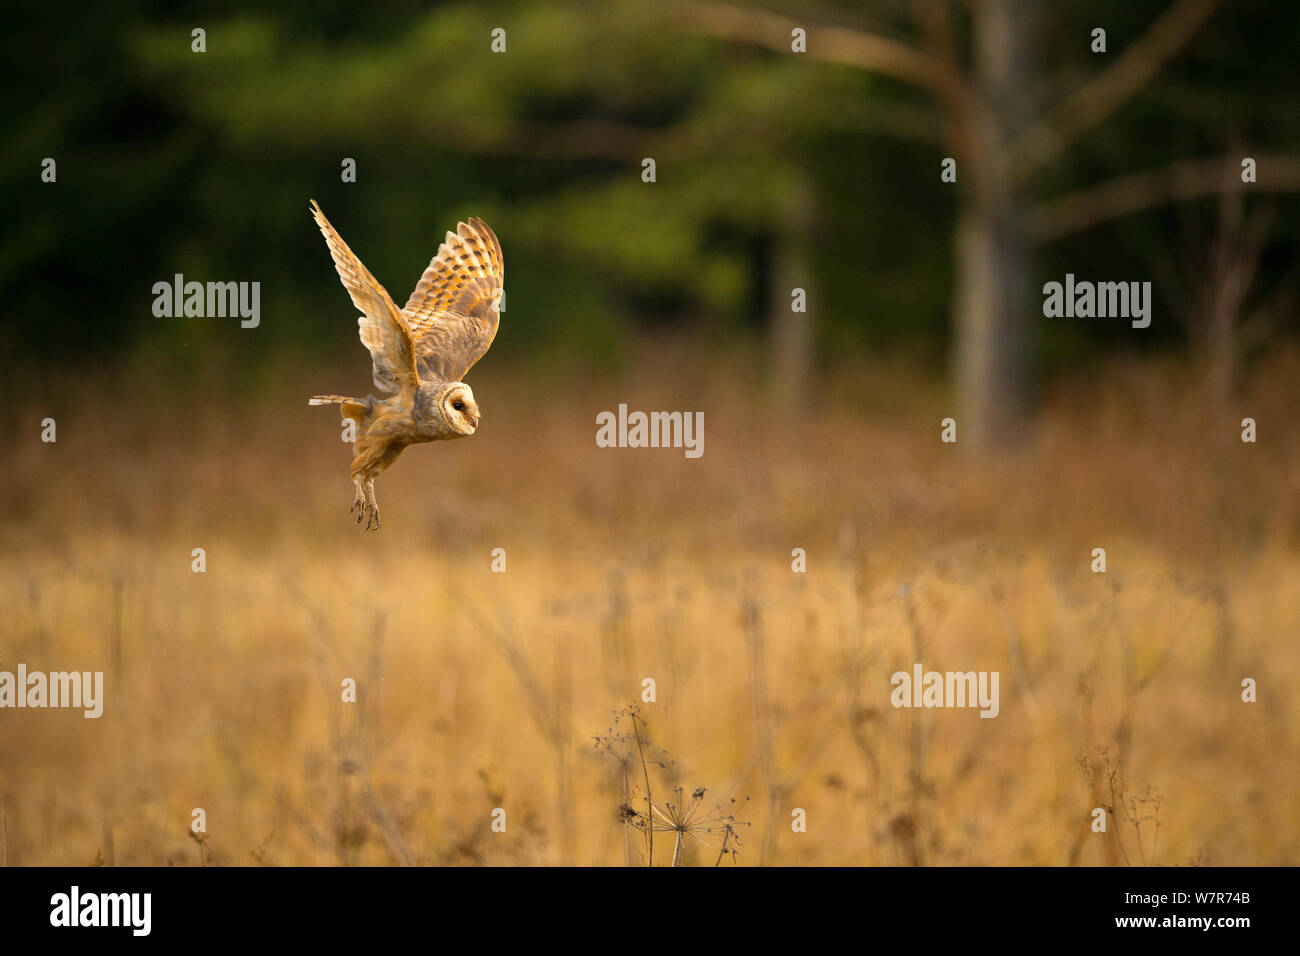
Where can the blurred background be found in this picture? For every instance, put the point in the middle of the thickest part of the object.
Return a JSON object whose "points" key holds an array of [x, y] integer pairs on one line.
{"points": [[774, 170]]}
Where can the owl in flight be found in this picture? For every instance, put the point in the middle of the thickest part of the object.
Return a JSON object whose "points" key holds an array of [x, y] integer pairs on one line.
{"points": [[420, 353]]}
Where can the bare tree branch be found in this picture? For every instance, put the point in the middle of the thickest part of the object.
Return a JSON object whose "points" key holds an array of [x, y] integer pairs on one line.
{"points": [[840, 45], [1134, 192], [1098, 99]]}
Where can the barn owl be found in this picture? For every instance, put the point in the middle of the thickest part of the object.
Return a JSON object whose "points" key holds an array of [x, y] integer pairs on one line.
{"points": [[420, 353]]}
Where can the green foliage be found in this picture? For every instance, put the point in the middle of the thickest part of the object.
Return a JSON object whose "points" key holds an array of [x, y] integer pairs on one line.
{"points": [[173, 161]]}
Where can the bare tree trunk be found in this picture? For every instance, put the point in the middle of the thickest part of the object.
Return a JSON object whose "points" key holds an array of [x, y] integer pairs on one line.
{"points": [[993, 373], [792, 333], [989, 108], [1234, 260], [992, 308]]}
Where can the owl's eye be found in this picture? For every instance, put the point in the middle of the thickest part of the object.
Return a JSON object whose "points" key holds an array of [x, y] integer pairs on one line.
{"points": [[459, 406]]}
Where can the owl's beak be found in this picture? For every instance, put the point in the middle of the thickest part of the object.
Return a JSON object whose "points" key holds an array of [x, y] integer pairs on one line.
{"points": [[475, 420]]}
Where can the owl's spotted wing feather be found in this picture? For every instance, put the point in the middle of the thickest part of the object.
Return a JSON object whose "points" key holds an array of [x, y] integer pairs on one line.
{"points": [[454, 310], [381, 327]]}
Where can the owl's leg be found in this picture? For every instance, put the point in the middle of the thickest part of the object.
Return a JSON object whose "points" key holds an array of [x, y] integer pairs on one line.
{"points": [[358, 504], [365, 507], [372, 506], [376, 450]]}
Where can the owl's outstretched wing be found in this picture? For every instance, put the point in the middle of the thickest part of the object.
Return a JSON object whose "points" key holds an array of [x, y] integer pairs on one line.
{"points": [[381, 327], [454, 310]]}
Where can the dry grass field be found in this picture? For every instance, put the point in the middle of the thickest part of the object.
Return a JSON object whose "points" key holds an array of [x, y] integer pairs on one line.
{"points": [[480, 690]]}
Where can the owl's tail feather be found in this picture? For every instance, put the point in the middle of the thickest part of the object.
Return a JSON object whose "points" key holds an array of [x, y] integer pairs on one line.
{"points": [[354, 408]]}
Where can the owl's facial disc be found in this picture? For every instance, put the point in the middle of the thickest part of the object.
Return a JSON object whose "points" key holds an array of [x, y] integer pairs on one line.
{"points": [[459, 408]]}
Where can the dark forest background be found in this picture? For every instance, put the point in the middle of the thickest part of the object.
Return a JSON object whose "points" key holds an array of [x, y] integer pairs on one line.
{"points": [[774, 170]]}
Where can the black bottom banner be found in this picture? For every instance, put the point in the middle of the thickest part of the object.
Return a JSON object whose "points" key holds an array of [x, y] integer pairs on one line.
{"points": [[931, 905]]}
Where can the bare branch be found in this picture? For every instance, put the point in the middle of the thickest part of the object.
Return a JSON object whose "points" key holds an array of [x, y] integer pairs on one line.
{"points": [[1134, 192], [1098, 99], [839, 45]]}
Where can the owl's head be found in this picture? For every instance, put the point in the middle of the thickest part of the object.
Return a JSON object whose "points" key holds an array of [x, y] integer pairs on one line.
{"points": [[459, 410]]}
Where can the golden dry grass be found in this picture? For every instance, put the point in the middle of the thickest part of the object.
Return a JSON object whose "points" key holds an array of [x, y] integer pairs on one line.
{"points": [[481, 690]]}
